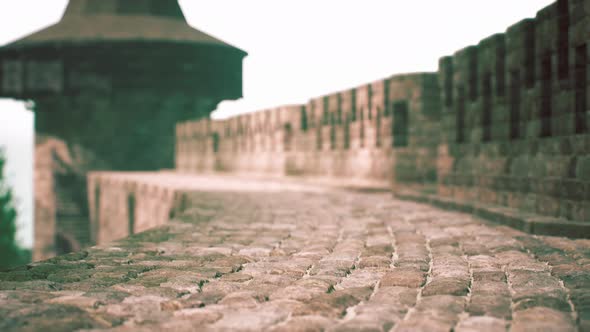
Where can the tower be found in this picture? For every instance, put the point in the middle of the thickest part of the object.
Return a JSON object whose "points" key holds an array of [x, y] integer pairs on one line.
{"points": [[111, 80]]}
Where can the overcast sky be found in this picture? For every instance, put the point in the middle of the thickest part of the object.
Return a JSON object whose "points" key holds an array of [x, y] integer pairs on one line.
{"points": [[297, 49]]}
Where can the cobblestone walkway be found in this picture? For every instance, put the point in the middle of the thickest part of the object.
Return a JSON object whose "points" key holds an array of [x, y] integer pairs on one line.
{"points": [[309, 261]]}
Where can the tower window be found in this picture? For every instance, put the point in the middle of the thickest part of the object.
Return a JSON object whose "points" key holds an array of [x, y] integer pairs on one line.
{"points": [[362, 128], [353, 105], [460, 120], [473, 75], [326, 115], [563, 21], [312, 119], [136, 7], [347, 133], [386, 105], [449, 71], [339, 117], [501, 68], [370, 102], [303, 119], [546, 97], [529, 62], [486, 117], [581, 89], [288, 132], [131, 213], [514, 105], [400, 124], [215, 142], [378, 128], [332, 131]]}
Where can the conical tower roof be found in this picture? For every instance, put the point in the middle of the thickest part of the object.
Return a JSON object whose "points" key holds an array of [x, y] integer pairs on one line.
{"points": [[91, 21]]}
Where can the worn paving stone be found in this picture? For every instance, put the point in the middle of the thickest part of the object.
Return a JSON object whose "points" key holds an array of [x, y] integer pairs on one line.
{"points": [[542, 319], [537, 289], [304, 324], [447, 286], [482, 324], [374, 261], [385, 250], [334, 304], [240, 300], [361, 278], [382, 311], [253, 319], [54, 317], [362, 324], [434, 313], [321, 260], [404, 277], [490, 298]]}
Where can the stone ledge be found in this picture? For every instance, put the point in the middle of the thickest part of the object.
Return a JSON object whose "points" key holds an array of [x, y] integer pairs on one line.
{"points": [[353, 184], [524, 221]]}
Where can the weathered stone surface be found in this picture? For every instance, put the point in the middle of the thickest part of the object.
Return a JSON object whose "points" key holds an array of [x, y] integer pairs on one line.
{"points": [[535, 288], [53, 317], [374, 261], [334, 304], [304, 324], [204, 276], [404, 277], [239, 300], [447, 286], [433, 313], [542, 319], [490, 298], [362, 324], [361, 278], [481, 324], [387, 307], [401, 298]]}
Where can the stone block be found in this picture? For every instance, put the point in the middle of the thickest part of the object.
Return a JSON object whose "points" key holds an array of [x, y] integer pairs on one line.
{"points": [[540, 318], [404, 277], [481, 324], [446, 286]]}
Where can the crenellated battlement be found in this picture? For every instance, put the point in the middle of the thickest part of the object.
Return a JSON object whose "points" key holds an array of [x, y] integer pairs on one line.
{"points": [[272, 242], [516, 116], [348, 133], [503, 122]]}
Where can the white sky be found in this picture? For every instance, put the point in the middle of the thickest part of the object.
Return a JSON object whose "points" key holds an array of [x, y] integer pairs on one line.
{"points": [[297, 49]]}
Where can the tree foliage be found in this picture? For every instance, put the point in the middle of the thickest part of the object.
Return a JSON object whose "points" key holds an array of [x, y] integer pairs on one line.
{"points": [[11, 254]]}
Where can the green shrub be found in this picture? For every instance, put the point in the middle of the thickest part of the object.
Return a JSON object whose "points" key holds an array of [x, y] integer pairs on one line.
{"points": [[11, 255]]}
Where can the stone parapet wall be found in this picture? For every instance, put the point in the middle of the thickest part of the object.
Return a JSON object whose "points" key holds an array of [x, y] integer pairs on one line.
{"points": [[516, 116], [349, 134], [122, 204]]}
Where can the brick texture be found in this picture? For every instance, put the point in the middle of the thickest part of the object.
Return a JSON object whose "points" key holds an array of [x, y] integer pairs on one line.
{"points": [[261, 255]]}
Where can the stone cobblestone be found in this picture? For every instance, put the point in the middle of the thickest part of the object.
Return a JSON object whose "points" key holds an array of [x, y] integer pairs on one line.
{"points": [[324, 260]]}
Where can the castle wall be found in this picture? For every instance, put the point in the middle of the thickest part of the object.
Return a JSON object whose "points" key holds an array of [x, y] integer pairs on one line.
{"points": [[122, 204], [502, 126], [515, 110], [504, 122], [345, 135]]}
